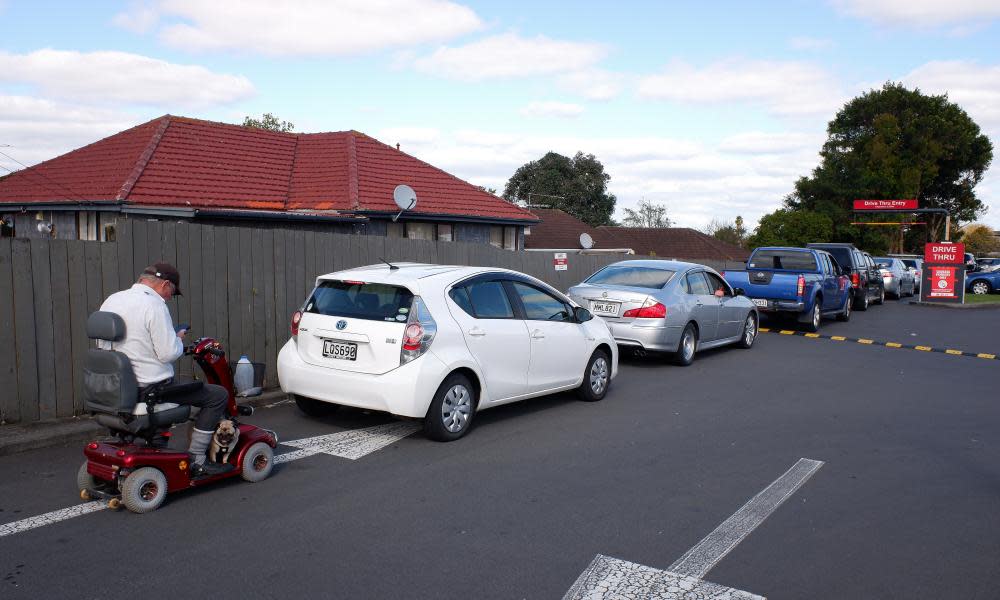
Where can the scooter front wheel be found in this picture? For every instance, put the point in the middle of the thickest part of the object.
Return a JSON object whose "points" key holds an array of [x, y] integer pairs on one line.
{"points": [[257, 462], [144, 490]]}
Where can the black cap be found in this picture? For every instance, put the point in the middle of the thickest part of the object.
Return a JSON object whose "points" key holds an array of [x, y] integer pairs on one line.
{"points": [[166, 271]]}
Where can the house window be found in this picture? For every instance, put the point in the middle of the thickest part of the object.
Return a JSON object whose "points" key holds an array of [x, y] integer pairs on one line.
{"points": [[86, 225], [420, 231], [510, 238], [444, 232], [394, 230], [496, 236], [108, 224]]}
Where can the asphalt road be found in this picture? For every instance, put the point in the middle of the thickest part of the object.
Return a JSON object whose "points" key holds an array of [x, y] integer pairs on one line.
{"points": [[906, 504]]}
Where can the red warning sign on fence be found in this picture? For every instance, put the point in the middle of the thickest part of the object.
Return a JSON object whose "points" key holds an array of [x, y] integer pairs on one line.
{"points": [[560, 262], [942, 282]]}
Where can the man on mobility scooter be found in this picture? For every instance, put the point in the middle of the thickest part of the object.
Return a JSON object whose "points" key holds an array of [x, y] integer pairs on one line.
{"points": [[152, 345]]}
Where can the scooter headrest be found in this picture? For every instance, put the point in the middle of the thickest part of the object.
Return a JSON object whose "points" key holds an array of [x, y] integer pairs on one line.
{"points": [[103, 325]]}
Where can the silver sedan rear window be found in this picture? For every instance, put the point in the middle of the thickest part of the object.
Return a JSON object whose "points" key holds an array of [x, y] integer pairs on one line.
{"points": [[645, 277]]}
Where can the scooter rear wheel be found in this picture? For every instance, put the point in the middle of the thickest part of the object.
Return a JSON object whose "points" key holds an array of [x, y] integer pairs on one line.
{"points": [[144, 490]]}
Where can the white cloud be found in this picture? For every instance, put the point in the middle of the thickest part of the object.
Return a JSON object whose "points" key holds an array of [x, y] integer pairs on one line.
{"points": [[121, 78], [552, 109], [810, 44], [974, 87], [593, 84], [920, 13], [761, 143], [310, 27], [789, 88], [509, 55], [139, 18]]}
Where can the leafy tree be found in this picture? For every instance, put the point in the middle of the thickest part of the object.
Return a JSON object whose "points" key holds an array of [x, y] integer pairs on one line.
{"points": [[979, 240], [647, 214], [731, 232], [786, 227], [269, 122], [896, 143], [576, 185], [488, 190]]}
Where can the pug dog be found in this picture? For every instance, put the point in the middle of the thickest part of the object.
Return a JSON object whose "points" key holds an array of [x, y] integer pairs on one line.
{"points": [[223, 441]]}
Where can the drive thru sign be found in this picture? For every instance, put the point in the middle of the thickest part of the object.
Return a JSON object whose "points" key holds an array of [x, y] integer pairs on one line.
{"points": [[943, 277], [560, 262]]}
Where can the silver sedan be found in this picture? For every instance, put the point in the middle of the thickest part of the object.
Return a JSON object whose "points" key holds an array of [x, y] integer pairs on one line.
{"points": [[668, 306], [899, 281]]}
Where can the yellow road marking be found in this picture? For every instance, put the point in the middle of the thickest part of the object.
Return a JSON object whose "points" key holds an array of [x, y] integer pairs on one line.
{"points": [[958, 352], [812, 335], [893, 345], [923, 348], [984, 355], [864, 341], [837, 338], [787, 332], [764, 329]]}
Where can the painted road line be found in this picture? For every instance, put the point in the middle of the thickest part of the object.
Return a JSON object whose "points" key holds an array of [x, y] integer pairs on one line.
{"points": [[764, 329], [864, 341], [813, 335], [609, 578], [51, 517], [837, 338], [870, 342], [987, 356], [923, 348], [950, 351], [352, 444], [786, 332], [893, 345]]}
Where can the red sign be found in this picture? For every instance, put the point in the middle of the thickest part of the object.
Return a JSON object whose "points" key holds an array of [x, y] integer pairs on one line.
{"points": [[885, 204], [560, 262], [942, 283], [944, 253]]}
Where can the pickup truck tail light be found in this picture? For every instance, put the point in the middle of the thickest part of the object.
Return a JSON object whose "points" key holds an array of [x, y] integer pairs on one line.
{"points": [[648, 310], [855, 279], [800, 286]]}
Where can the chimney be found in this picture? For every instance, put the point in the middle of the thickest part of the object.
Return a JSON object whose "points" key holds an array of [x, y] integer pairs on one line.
{"points": [[397, 145]]}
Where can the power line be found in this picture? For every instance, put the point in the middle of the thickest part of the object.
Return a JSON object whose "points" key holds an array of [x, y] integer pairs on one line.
{"points": [[35, 171]]}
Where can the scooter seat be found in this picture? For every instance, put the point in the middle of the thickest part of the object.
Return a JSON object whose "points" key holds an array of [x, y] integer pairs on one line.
{"points": [[140, 423]]}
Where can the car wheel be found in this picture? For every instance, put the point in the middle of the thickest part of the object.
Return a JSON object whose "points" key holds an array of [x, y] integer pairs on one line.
{"points": [[687, 347], [863, 303], [314, 408], [846, 315], [450, 413], [144, 490], [980, 287], [881, 296], [257, 462], [749, 332], [596, 377], [814, 321]]}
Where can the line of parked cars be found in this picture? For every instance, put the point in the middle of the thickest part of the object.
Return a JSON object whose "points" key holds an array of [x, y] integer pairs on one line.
{"points": [[440, 343]]}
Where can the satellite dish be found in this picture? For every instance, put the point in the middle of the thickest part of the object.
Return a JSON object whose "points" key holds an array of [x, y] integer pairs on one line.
{"points": [[405, 199], [586, 242]]}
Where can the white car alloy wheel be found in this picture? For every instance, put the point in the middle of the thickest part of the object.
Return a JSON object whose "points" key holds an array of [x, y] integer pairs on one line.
{"points": [[980, 288], [456, 408]]}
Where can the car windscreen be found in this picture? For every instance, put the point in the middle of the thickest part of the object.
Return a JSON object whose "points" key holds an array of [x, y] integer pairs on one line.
{"points": [[783, 260], [632, 276], [842, 254], [372, 301], [884, 263], [910, 262]]}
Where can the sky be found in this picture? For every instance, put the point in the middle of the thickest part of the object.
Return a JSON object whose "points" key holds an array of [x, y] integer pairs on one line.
{"points": [[712, 109]]}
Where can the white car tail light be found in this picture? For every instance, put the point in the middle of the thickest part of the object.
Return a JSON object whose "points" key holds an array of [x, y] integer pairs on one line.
{"points": [[296, 318], [419, 333]]}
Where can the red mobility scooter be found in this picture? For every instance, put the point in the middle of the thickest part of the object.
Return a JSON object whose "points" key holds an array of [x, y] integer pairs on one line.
{"points": [[136, 467]]}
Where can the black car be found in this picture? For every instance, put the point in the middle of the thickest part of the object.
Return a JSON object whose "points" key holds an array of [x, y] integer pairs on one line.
{"points": [[866, 280]]}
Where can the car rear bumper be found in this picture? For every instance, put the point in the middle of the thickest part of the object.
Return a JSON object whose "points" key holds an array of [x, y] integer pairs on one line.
{"points": [[779, 306], [406, 391], [656, 338]]}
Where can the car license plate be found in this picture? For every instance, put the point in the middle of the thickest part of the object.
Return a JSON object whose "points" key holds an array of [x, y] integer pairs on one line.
{"points": [[340, 350], [760, 302], [605, 309]]}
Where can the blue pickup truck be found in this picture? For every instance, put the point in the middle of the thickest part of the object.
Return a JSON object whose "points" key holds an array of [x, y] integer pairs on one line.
{"points": [[804, 282]]}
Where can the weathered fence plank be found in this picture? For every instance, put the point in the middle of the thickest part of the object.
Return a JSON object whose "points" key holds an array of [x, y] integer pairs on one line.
{"points": [[62, 324], [9, 409], [79, 311], [41, 275]]}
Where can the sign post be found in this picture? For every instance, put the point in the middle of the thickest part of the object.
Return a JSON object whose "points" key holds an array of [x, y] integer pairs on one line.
{"points": [[943, 274]]}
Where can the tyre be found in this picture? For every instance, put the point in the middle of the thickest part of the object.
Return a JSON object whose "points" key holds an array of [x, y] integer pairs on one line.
{"points": [[846, 314], [881, 296], [86, 481], [450, 413], [980, 288], [749, 332], [687, 347], [596, 377], [315, 408], [257, 462], [862, 303], [812, 325], [144, 490]]}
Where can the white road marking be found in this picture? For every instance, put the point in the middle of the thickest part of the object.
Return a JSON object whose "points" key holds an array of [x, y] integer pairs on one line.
{"points": [[610, 578], [352, 444]]}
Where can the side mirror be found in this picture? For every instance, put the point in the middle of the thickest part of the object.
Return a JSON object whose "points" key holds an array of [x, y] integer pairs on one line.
{"points": [[582, 314], [739, 292]]}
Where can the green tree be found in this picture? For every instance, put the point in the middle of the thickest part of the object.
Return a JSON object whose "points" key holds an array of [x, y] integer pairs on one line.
{"points": [[576, 185], [979, 239], [647, 214], [786, 227], [896, 143], [731, 232], [269, 122]]}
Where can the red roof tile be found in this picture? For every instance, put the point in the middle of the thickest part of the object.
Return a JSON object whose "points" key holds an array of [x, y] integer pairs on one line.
{"points": [[177, 161]]}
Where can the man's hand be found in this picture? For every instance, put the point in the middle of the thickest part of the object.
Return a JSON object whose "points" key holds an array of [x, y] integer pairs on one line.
{"points": [[181, 333]]}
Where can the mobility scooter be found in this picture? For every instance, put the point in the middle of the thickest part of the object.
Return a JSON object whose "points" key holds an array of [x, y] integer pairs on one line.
{"points": [[136, 467]]}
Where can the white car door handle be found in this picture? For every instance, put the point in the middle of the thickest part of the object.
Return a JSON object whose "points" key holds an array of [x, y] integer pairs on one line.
{"points": [[537, 335], [475, 331]]}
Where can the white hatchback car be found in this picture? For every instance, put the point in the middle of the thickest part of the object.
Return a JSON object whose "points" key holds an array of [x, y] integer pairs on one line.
{"points": [[440, 343]]}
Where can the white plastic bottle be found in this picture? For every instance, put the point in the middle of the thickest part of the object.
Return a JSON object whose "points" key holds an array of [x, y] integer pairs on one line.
{"points": [[243, 376]]}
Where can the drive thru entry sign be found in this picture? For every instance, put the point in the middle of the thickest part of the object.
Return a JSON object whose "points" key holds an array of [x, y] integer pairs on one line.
{"points": [[560, 262], [943, 276]]}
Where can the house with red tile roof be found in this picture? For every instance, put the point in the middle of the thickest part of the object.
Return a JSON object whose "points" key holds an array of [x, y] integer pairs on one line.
{"points": [[560, 232], [180, 168]]}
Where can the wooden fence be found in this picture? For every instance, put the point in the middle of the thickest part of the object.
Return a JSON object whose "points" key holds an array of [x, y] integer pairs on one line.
{"points": [[240, 285]]}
